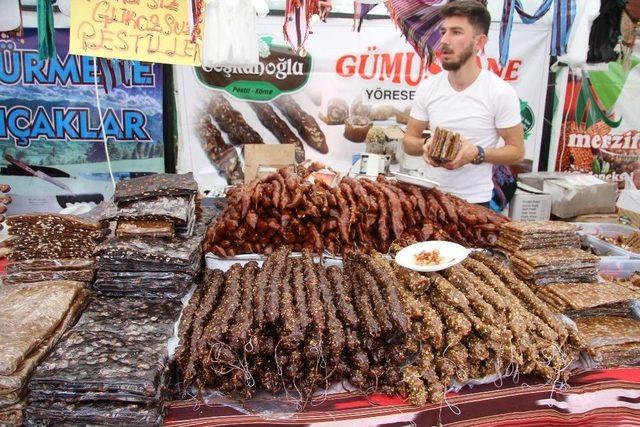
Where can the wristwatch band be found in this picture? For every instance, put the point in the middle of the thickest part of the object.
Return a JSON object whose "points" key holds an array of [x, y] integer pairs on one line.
{"points": [[480, 157]]}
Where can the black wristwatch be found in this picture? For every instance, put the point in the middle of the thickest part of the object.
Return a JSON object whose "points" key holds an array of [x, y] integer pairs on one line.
{"points": [[480, 157]]}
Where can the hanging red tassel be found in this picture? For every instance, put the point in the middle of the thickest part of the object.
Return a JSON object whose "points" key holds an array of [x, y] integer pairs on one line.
{"points": [[297, 19], [195, 19]]}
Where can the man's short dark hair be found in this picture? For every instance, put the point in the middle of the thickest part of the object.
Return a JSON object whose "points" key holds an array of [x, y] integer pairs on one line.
{"points": [[474, 10]]}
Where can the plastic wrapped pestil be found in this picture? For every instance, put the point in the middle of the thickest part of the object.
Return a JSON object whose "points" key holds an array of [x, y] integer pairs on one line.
{"points": [[155, 185]]}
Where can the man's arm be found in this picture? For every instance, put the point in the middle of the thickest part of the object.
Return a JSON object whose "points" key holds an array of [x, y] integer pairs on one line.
{"points": [[413, 139], [511, 153], [513, 150]]}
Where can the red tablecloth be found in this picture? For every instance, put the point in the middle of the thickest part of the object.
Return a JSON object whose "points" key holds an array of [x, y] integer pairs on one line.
{"points": [[597, 398]]}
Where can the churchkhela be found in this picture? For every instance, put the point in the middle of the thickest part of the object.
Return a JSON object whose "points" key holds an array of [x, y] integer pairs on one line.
{"points": [[293, 325], [287, 208]]}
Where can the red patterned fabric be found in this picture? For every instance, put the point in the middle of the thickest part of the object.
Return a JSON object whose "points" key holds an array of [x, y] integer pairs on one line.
{"points": [[297, 21], [603, 398]]}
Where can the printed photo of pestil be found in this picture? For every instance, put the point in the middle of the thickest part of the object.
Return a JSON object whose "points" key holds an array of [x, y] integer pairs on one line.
{"points": [[53, 132]]}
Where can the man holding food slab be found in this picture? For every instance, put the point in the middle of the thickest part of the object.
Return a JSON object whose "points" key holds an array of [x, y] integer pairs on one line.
{"points": [[470, 111]]}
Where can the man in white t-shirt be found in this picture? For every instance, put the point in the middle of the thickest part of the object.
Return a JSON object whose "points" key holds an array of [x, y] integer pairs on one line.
{"points": [[471, 101]]}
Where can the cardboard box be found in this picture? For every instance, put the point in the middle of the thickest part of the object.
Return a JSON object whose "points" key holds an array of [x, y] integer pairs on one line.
{"points": [[628, 205], [536, 179], [596, 218], [530, 204], [574, 194], [262, 160]]}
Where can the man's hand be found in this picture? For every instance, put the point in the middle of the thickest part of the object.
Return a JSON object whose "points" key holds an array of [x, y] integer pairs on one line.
{"points": [[468, 152], [425, 154]]}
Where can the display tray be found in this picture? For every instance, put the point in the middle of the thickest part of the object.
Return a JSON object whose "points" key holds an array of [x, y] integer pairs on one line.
{"points": [[592, 231], [601, 248], [619, 268], [415, 180], [215, 262]]}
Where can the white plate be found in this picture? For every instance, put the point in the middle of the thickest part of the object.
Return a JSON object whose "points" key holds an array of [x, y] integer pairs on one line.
{"points": [[415, 180], [451, 254]]}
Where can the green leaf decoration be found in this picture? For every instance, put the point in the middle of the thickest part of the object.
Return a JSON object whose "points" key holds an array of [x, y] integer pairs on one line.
{"points": [[608, 84], [596, 165], [588, 104]]}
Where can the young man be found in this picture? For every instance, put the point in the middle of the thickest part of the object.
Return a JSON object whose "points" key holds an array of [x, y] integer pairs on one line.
{"points": [[471, 101]]}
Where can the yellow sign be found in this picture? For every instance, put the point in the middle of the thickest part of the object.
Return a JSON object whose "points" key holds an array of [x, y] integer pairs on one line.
{"points": [[143, 30]]}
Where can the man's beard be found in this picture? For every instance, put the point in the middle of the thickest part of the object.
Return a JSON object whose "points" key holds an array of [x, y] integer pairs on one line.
{"points": [[464, 57]]}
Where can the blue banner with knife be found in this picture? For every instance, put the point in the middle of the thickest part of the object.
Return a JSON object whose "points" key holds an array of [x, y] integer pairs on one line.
{"points": [[54, 129]]}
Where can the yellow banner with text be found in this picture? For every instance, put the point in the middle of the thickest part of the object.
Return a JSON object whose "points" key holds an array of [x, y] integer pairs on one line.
{"points": [[143, 30]]}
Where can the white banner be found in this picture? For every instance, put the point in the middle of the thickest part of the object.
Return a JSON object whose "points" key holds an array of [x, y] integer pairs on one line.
{"points": [[376, 65], [596, 125]]}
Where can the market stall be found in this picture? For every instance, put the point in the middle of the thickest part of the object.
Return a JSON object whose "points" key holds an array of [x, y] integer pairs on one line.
{"points": [[244, 237], [289, 331]]}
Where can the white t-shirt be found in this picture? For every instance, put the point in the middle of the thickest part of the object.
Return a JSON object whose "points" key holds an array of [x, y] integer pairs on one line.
{"points": [[476, 113]]}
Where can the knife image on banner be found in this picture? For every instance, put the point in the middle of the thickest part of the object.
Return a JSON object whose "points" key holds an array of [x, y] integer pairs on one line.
{"points": [[62, 199], [36, 173]]}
